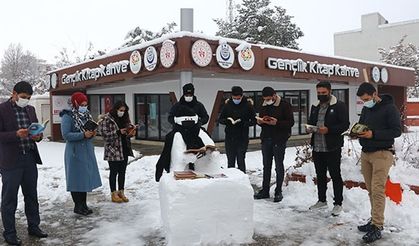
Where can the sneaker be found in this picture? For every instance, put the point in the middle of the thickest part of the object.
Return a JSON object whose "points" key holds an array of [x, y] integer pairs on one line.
{"points": [[367, 227], [336, 210], [261, 195], [318, 205], [278, 197], [373, 235]]}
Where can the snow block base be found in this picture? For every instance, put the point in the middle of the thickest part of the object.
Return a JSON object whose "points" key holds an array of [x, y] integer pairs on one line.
{"points": [[207, 211]]}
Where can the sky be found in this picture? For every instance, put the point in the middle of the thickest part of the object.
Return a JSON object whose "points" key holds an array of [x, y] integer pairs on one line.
{"points": [[44, 27]]}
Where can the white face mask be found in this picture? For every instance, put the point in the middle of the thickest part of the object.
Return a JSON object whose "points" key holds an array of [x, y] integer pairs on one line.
{"points": [[121, 113], [188, 99], [269, 102], [22, 102]]}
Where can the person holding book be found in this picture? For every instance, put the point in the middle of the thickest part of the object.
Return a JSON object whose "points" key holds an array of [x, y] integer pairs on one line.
{"points": [[276, 120], [18, 158], [330, 119], [116, 130], [81, 171], [382, 118], [237, 115]]}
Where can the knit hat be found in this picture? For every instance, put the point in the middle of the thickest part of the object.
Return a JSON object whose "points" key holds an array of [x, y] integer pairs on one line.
{"points": [[236, 91], [188, 89], [268, 91], [78, 97]]}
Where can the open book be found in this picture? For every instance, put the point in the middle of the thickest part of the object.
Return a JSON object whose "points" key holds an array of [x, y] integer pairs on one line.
{"points": [[311, 128], [234, 121], [90, 125], [264, 118], [200, 150], [355, 130], [37, 128], [180, 175]]}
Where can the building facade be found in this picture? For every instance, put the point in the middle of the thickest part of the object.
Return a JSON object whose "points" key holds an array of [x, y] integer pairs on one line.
{"points": [[149, 77]]}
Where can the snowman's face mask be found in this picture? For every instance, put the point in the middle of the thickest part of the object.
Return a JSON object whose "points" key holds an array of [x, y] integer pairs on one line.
{"points": [[186, 121]]}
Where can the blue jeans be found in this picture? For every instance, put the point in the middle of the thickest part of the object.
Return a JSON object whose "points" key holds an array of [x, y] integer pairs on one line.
{"points": [[271, 151], [25, 176]]}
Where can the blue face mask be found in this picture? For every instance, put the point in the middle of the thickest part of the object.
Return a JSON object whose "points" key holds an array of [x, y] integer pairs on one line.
{"points": [[369, 104], [237, 101], [82, 109]]}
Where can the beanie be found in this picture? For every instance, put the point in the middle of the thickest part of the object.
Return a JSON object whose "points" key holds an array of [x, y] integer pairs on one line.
{"points": [[236, 91], [78, 97], [268, 91], [188, 89]]}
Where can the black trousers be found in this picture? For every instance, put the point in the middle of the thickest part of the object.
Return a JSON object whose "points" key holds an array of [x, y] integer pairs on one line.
{"points": [[324, 161], [79, 199], [271, 151], [236, 148], [117, 169], [25, 176]]}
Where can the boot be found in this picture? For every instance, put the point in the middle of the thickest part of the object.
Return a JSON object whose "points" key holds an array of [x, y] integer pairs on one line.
{"points": [[122, 196], [115, 197], [262, 194], [373, 235]]}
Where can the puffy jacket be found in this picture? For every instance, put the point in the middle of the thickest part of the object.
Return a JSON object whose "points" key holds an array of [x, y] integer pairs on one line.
{"points": [[336, 120], [384, 121], [195, 105]]}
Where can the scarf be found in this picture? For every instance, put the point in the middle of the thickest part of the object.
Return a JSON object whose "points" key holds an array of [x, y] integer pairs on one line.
{"points": [[80, 119]]}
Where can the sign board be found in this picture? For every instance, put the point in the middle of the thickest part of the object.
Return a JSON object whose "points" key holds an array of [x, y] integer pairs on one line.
{"points": [[58, 104]]}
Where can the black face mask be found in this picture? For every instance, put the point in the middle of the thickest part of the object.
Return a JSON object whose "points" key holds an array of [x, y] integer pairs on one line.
{"points": [[188, 123], [323, 98]]}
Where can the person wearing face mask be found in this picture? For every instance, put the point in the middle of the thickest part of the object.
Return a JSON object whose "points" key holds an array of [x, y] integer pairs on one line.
{"points": [[18, 158], [276, 120], [189, 100], [237, 115], [382, 117], [81, 171], [330, 118], [117, 130]]}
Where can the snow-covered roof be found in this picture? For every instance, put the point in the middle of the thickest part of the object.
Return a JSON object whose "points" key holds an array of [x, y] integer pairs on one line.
{"points": [[216, 38], [43, 96]]}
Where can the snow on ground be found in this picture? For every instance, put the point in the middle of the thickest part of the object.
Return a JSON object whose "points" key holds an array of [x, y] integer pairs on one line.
{"points": [[138, 222]]}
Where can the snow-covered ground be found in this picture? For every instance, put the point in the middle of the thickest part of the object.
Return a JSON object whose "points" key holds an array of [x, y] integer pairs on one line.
{"points": [[286, 223]]}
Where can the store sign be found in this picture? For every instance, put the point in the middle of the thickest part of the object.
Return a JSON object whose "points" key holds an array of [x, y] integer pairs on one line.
{"points": [[167, 54], [135, 62], [375, 73], [201, 53], [150, 58], [47, 82], [246, 58], [225, 55], [54, 80], [384, 75], [300, 66], [110, 69]]}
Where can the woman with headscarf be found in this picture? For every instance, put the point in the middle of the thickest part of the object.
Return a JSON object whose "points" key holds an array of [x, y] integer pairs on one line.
{"points": [[81, 171], [116, 130]]}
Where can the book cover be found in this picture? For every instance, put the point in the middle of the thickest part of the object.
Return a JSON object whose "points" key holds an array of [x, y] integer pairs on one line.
{"points": [[90, 125], [37, 128]]}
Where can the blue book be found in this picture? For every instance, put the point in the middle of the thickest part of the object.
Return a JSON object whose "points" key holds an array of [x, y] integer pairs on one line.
{"points": [[37, 128]]}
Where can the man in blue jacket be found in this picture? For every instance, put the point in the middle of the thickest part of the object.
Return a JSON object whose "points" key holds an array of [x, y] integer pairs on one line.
{"points": [[382, 118], [329, 118], [18, 158]]}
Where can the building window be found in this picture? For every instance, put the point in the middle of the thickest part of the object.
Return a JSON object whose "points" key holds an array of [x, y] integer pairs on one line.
{"points": [[299, 103], [102, 104], [341, 95], [151, 114]]}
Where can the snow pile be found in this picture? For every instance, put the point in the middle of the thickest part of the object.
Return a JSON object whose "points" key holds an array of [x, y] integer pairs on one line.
{"points": [[207, 211]]}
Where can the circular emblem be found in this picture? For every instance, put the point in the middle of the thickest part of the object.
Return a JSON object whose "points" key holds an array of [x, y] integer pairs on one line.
{"points": [[225, 55], [150, 58], [246, 58], [201, 53], [54, 80], [384, 75], [375, 73], [47, 82], [135, 62], [167, 54]]}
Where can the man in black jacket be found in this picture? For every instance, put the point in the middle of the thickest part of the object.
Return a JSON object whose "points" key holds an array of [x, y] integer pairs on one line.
{"points": [[189, 100], [276, 119], [328, 120], [382, 118], [238, 114]]}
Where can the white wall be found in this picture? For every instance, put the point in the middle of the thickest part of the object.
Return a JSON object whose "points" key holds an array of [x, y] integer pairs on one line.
{"points": [[43, 111], [374, 33]]}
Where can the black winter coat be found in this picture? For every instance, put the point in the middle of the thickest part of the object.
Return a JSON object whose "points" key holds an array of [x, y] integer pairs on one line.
{"points": [[282, 111], [384, 121], [336, 120], [195, 105], [243, 111]]}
